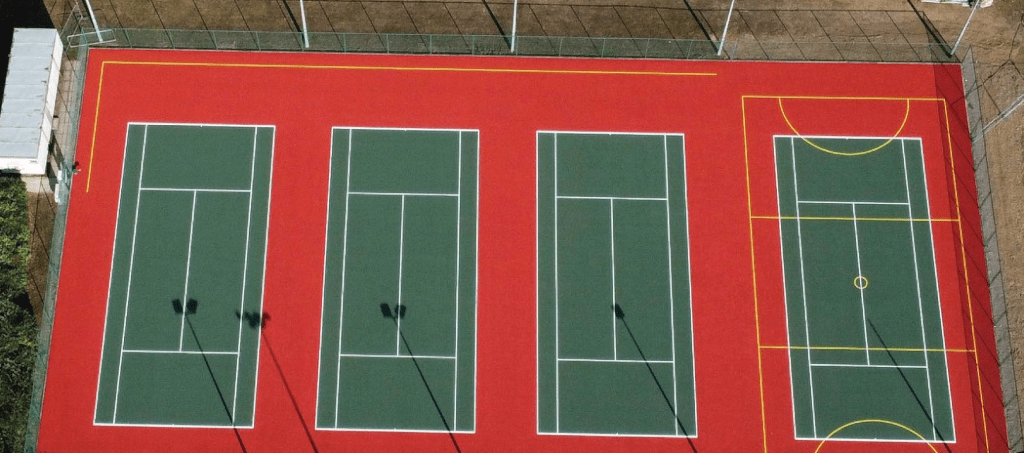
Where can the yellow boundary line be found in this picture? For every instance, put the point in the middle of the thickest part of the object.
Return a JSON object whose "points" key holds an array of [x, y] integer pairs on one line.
{"points": [[850, 219], [103, 65], [840, 153], [753, 269], [963, 256], [967, 278], [862, 349]]}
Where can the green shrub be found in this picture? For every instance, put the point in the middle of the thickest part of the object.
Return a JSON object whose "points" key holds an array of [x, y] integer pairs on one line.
{"points": [[18, 328]]}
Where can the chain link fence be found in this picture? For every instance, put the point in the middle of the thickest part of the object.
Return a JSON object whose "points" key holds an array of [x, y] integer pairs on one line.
{"points": [[62, 155], [79, 36], [553, 46]]}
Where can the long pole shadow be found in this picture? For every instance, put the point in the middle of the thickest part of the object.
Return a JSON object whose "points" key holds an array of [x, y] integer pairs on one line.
{"points": [[913, 392], [932, 31], [273, 357], [494, 18], [399, 312], [190, 308], [621, 315]]}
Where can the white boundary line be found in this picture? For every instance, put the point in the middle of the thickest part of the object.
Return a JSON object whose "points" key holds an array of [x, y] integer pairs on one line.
{"points": [[263, 282], [110, 279], [458, 261], [323, 303], [852, 202], [843, 137], [131, 265], [458, 274], [671, 290], [611, 200], [689, 283], [344, 262], [558, 399], [785, 292], [938, 295], [245, 271], [803, 289], [917, 287]]}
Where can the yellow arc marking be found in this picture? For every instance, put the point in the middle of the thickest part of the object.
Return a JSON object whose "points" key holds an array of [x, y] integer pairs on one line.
{"points": [[906, 115], [875, 421]]}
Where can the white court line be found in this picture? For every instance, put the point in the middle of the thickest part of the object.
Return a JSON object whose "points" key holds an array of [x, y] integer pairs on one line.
{"points": [[938, 296], [263, 269], [148, 351], [882, 203], [131, 267], [476, 274], [178, 189], [624, 436], [914, 440], [803, 289], [614, 361], [581, 197], [689, 284], [344, 262], [399, 430], [404, 194], [110, 281], [860, 273], [245, 271], [458, 262], [843, 137], [401, 252], [671, 296], [188, 265], [860, 365], [167, 425], [558, 410], [403, 356], [785, 293], [323, 303], [615, 335], [917, 280]]}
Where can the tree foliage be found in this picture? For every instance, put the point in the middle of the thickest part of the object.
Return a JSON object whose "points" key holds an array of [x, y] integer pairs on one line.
{"points": [[18, 328]]}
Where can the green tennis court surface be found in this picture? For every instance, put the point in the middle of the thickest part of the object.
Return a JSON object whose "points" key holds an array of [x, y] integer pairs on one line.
{"points": [[401, 231], [188, 266], [865, 329], [612, 232]]}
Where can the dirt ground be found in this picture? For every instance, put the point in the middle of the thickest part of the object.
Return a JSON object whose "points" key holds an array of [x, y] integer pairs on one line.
{"points": [[871, 28]]}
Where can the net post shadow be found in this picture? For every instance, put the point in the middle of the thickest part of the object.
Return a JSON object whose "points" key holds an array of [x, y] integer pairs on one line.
{"points": [[190, 308], [928, 415], [394, 316], [621, 316]]}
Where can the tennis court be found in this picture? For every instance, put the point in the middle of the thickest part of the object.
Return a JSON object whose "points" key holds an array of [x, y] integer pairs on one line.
{"points": [[435, 254]]}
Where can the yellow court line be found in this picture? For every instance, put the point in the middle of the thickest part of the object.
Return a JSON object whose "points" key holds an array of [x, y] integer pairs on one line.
{"points": [[876, 421], [839, 98], [967, 279], [95, 123], [753, 270], [867, 219], [408, 68], [92, 149], [840, 153], [861, 349]]}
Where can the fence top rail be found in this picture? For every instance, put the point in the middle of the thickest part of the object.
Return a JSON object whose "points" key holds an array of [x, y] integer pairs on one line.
{"points": [[557, 46]]}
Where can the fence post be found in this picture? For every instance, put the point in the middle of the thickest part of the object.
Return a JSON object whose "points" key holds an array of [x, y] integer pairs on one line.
{"points": [[721, 42]]}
